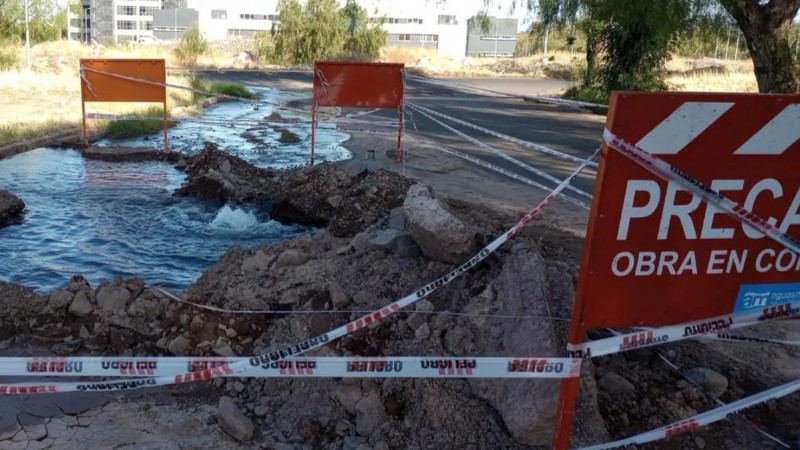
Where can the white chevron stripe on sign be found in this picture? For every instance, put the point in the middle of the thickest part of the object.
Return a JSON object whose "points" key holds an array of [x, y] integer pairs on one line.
{"points": [[776, 136], [682, 127]]}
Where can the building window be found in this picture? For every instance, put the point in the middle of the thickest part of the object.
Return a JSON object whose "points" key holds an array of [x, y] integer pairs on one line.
{"points": [[232, 32], [148, 10], [447, 20], [126, 10], [498, 38], [170, 29], [403, 37], [429, 38], [126, 25], [253, 16], [274, 17], [401, 20], [219, 13], [146, 25]]}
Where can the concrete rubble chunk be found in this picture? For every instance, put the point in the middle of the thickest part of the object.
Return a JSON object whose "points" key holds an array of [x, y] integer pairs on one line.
{"points": [[614, 384], [60, 298], [80, 306], [438, 233], [337, 294], [178, 346], [113, 298], [394, 241], [232, 421], [369, 414], [291, 258], [710, 381]]}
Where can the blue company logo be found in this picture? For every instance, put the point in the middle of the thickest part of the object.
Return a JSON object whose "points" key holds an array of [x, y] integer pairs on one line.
{"points": [[753, 297]]}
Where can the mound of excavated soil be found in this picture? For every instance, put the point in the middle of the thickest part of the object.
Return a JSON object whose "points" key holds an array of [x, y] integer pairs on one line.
{"points": [[516, 302], [11, 207], [322, 195]]}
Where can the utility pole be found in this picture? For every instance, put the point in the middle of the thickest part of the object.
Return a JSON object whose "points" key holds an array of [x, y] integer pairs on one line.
{"points": [[27, 36]]}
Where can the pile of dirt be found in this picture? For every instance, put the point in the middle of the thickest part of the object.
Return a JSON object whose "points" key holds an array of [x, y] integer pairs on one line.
{"points": [[322, 195], [376, 248], [11, 208], [338, 276]]}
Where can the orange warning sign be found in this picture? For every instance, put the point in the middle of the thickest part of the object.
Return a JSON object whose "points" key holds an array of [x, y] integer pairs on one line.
{"points": [[360, 85], [657, 255], [124, 80]]}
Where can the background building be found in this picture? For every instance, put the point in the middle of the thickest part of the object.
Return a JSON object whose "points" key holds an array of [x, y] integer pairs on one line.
{"points": [[445, 28], [169, 24], [500, 40]]}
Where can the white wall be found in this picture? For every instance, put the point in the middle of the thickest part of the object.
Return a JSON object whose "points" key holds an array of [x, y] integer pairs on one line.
{"points": [[216, 29]]}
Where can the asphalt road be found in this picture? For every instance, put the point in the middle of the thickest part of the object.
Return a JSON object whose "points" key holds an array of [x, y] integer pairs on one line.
{"points": [[574, 133]]}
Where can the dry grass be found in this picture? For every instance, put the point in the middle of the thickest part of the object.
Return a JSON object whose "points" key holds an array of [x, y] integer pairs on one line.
{"points": [[709, 75], [428, 63]]}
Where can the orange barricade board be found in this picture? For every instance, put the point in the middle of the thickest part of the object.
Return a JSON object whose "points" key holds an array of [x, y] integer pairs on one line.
{"points": [[101, 87], [357, 84], [656, 255]]}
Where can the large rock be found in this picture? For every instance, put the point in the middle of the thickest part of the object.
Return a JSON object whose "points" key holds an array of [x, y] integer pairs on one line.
{"points": [[394, 241], [369, 414], [81, 306], [60, 298], [11, 207], [439, 234], [527, 407], [113, 298], [233, 422], [711, 381], [616, 385]]}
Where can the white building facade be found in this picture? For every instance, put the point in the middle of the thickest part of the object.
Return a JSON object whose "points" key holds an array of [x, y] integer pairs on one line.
{"points": [[409, 23], [413, 23]]}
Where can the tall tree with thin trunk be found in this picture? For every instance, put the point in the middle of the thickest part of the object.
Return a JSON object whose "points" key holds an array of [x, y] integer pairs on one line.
{"points": [[766, 26]]}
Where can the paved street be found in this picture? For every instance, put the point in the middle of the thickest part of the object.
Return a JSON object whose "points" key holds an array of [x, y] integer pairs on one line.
{"points": [[575, 133]]}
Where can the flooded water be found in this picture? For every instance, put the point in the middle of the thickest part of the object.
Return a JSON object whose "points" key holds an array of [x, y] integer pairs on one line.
{"points": [[242, 128], [105, 219]]}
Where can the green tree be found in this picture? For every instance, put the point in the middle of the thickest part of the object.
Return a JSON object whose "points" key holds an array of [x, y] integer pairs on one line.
{"points": [[47, 20], [767, 29], [309, 33], [192, 45], [362, 39], [264, 45]]}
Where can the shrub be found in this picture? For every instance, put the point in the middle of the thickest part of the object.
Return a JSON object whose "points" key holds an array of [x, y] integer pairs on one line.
{"points": [[231, 89], [121, 129], [192, 45]]}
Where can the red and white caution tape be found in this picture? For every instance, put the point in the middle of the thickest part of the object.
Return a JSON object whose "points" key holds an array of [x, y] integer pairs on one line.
{"points": [[498, 169], [326, 367], [531, 145], [670, 173], [494, 151], [674, 333], [719, 402], [310, 344], [706, 418], [536, 98], [734, 338]]}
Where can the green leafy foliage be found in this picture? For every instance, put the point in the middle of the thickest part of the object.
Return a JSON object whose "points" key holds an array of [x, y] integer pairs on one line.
{"points": [[192, 45], [231, 89], [321, 30], [47, 20], [362, 41], [121, 129]]}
